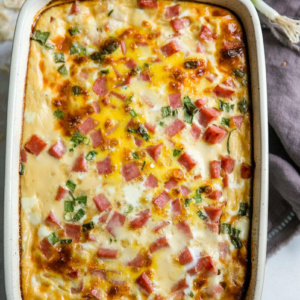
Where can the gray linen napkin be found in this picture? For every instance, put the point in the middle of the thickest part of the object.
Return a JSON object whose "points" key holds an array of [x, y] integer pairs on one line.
{"points": [[283, 77]]}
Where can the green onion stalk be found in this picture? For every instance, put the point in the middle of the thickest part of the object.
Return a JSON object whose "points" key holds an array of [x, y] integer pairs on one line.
{"points": [[289, 26]]}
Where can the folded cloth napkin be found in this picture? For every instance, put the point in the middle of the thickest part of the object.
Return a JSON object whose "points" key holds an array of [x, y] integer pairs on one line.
{"points": [[283, 77]]}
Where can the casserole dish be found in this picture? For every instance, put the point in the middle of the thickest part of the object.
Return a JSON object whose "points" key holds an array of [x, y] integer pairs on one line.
{"points": [[257, 162]]}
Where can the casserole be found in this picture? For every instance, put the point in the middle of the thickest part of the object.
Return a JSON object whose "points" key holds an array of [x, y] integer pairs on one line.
{"points": [[258, 164]]}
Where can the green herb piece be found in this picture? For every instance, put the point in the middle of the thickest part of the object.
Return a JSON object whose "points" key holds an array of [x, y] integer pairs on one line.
{"points": [[201, 215], [131, 130], [143, 132], [76, 90], [81, 200], [234, 238], [69, 206], [224, 106], [189, 109], [73, 31], [91, 155], [88, 226], [71, 185], [133, 113], [146, 65], [161, 123], [65, 241], [72, 196], [59, 114], [243, 106], [201, 189], [244, 82], [129, 209], [166, 111], [78, 49], [191, 294], [226, 228], [110, 46], [59, 57], [228, 140], [110, 12], [53, 238], [225, 122], [40, 37], [135, 155], [143, 166], [129, 100], [174, 113], [63, 70], [198, 198], [79, 138], [192, 64], [80, 213], [176, 152], [104, 72], [235, 232], [187, 202], [22, 169], [97, 56], [49, 46], [243, 209], [238, 73]]}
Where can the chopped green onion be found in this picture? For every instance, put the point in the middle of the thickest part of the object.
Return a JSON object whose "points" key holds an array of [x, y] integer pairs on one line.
{"points": [[77, 49], [143, 166], [201, 189], [234, 237], [244, 82], [146, 65], [65, 241], [88, 226], [143, 132], [243, 106], [238, 73], [53, 238], [189, 109], [243, 209], [97, 56], [73, 31], [69, 206], [40, 37], [198, 198], [110, 12], [76, 90], [71, 185], [91, 155], [224, 106], [187, 202], [161, 123], [129, 100], [166, 111], [72, 196], [63, 70], [174, 113], [104, 72], [59, 114], [59, 57], [79, 138], [226, 228], [129, 209], [228, 140], [176, 152], [49, 46], [133, 113], [131, 130], [201, 215], [191, 294], [80, 213], [135, 155], [110, 46], [81, 200], [225, 122], [22, 169]]}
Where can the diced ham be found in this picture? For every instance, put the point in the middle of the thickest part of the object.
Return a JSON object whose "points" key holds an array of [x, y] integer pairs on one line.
{"points": [[145, 76], [147, 3], [100, 273], [205, 264], [96, 293], [213, 227], [184, 190], [46, 248], [61, 193], [105, 166], [175, 100], [215, 195], [154, 151], [147, 101], [143, 280], [118, 74], [172, 11], [73, 231], [151, 181], [215, 169], [58, 149], [138, 261], [207, 115], [162, 199], [200, 102], [171, 183], [99, 86], [160, 226], [115, 222], [223, 249], [35, 145], [230, 45], [176, 207], [179, 24], [225, 180], [214, 291], [223, 91], [75, 9], [101, 202], [227, 164], [80, 164], [180, 285], [107, 253], [206, 34], [123, 47], [174, 128], [111, 130], [87, 125], [184, 227], [210, 77], [185, 257], [214, 134], [237, 121], [141, 219], [159, 244], [130, 171], [118, 95], [214, 213], [245, 171], [97, 138], [131, 64], [150, 127], [195, 131], [179, 296], [170, 49], [96, 107], [200, 48], [23, 156], [103, 218], [186, 161], [52, 219], [138, 142]]}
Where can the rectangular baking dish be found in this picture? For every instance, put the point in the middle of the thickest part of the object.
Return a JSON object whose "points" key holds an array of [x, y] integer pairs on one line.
{"points": [[247, 14]]}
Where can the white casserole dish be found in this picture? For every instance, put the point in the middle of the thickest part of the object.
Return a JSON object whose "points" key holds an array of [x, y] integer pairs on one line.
{"points": [[249, 18]]}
